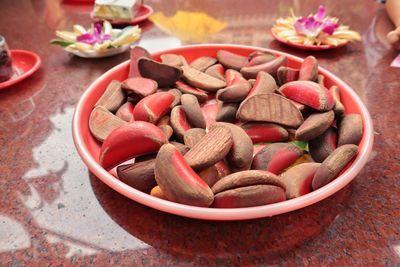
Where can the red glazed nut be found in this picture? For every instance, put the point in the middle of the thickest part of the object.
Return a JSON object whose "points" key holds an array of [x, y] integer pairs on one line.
{"points": [[265, 132], [117, 147], [308, 93], [153, 107], [178, 181], [216, 71], [179, 122], [309, 69], [276, 157], [264, 84], [298, 179]]}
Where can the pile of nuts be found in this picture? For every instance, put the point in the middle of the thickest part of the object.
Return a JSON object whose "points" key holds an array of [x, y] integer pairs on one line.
{"points": [[227, 131]]}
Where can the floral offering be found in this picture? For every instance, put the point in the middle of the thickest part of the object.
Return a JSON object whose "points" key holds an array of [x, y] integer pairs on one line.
{"points": [[100, 37], [318, 29]]}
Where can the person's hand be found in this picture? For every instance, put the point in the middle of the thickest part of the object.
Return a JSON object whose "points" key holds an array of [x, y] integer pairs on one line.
{"points": [[394, 38]]}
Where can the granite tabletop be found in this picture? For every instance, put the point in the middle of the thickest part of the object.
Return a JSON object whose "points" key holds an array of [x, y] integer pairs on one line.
{"points": [[54, 212]]}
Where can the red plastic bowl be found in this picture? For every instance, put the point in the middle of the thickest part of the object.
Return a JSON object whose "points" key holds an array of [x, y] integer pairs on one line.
{"points": [[88, 147]]}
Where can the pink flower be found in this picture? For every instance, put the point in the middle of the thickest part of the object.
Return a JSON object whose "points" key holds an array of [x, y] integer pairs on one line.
{"points": [[95, 37], [312, 26]]}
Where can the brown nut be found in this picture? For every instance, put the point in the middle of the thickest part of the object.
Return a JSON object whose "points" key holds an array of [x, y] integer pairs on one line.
{"points": [[139, 175], [164, 75], [210, 149], [102, 122], [240, 156], [350, 129], [259, 58], [201, 80], [247, 178], [192, 136], [112, 98], [209, 175], [270, 108], [173, 60], [271, 67], [322, 146], [227, 111], [338, 107], [203, 63], [249, 196], [235, 92], [230, 60], [333, 165], [216, 71], [315, 125], [193, 112]]}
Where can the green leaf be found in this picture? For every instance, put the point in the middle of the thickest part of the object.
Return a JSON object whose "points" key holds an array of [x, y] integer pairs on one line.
{"points": [[61, 42], [301, 144]]}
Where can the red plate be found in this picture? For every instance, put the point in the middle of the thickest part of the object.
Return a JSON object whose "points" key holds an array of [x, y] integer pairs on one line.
{"points": [[144, 12], [307, 47], [25, 63]]}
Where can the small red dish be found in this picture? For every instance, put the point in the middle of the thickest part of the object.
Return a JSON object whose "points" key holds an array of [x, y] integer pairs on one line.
{"points": [[25, 63], [144, 12], [307, 47]]}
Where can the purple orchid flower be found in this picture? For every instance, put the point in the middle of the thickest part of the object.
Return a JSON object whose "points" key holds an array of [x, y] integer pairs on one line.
{"points": [[95, 37], [312, 26]]}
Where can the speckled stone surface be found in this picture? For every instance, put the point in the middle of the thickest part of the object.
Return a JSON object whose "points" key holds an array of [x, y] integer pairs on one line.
{"points": [[53, 212]]}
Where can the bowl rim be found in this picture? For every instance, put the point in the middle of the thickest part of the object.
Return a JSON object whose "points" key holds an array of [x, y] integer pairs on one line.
{"points": [[214, 213]]}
